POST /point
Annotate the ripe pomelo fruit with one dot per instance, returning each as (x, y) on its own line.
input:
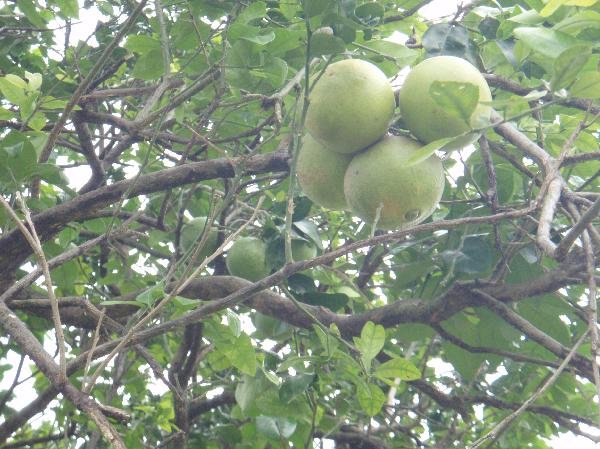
(380, 178)
(321, 174)
(191, 233)
(351, 106)
(428, 120)
(247, 259)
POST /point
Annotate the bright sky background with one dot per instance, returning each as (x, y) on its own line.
(81, 31)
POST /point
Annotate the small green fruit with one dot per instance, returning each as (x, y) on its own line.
(351, 106)
(430, 121)
(321, 174)
(191, 233)
(379, 178)
(247, 259)
(303, 250)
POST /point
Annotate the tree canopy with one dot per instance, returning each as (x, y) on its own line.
(131, 161)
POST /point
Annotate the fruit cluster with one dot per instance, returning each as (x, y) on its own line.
(347, 159)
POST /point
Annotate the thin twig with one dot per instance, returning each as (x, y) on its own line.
(492, 192)
(87, 388)
(565, 244)
(503, 425)
(82, 87)
(34, 241)
(34, 349)
(592, 311)
(124, 340)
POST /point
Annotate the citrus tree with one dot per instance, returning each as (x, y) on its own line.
(133, 158)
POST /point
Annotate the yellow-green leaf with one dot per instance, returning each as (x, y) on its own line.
(553, 5)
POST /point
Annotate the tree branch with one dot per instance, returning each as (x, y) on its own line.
(13, 251)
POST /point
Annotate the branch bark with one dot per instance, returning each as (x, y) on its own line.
(13, 248)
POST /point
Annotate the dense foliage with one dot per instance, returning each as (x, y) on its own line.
(122, 327)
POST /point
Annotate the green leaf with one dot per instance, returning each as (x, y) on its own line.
(288, 9)
(250, 389)
(315, 7)
(50, 102)
(150, 296)
(333, 301)
(407, 333)
(329, 343)
(370, 342)
(185, 304)
(568, 65)
(37, 121)
(548, 42)
(255, 10)
(28, 8)
(149, 66)
(18, 159)
(474, 256)
(342, 26)
(275, 427)
(465, 363)
(587, 85)
(260, 39)
(68, 8)
(16, 80)
(142, 44)
(301, 283)
(295, 385)
(458, 99)
(401, 54)
(310, 230)
(398, 368)
(506, 180)
(369, 14)
(553, 5)
(11, 91)
(578, 22)
(427, 150)
(5, 114)
(326, 44)
(275, 70)
(370, 397)
(545, 313)
(234, 323)
(34, 81)
(448, 39)
(241, 354)
(65, 276)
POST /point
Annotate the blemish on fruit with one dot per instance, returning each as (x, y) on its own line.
(412, 214)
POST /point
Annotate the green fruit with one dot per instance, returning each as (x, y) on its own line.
(247, 259)
(191, 233)
(428, 120)
(303, 250)
(321, 174)
(380, 177)
(351, 106)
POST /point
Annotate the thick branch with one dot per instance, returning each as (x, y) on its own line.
(13, 248)
(33, 348)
